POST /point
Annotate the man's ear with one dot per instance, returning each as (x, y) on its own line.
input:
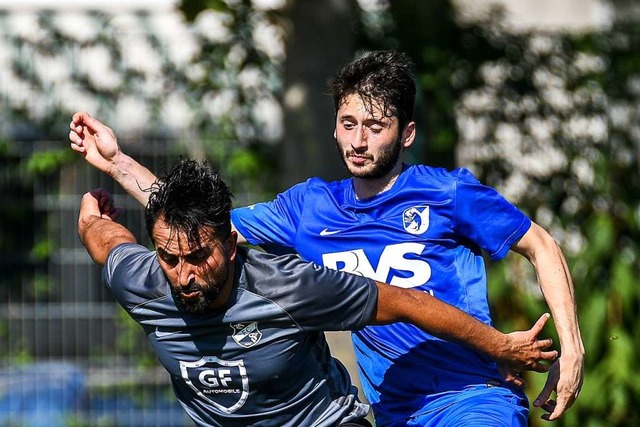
(408, 134)
(232, 245)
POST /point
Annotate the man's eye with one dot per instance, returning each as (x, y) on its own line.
(348, 126)
(168, 258)
(197, 257)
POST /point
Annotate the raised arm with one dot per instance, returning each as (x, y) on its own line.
(98, 145)
(555, 281)
(97, 228)
(517, 351)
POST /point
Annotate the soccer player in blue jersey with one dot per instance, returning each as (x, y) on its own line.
(413, 226)
(239, 330)
(418, 227)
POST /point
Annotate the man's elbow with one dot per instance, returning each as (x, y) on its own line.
(99, 243)
(97, 257)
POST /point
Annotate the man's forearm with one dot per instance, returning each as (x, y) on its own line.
(98, 231)
(133, 177)
(554, 278)
(557, 288)
(522, 350)
(99, 236)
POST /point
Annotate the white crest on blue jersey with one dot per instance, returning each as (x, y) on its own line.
(416, 219)
(246, 334)
(223, 383)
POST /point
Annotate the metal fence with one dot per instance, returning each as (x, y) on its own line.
(69, 355)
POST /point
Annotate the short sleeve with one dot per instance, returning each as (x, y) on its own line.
(315, 297)
(485, 217)
(126, 273)
(272, 222)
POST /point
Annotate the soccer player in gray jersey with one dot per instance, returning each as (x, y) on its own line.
(239, 330)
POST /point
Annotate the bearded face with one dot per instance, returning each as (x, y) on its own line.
(370, 143)
(198, 272)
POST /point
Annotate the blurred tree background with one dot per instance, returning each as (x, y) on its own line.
(551, 119)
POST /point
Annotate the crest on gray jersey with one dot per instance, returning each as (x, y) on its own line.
(246, 334)
(223, 383)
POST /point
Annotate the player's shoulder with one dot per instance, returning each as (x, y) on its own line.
(133, 274)
(316, 187)
(260, 262)
(424, 172)
(129, 255)
(260, 270)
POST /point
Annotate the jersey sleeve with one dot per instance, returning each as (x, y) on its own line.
(125, 274)
(314, 297)
(485, 217)
(274, 222)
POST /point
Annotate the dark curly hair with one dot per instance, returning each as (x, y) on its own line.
(192, 195)
(384, 77)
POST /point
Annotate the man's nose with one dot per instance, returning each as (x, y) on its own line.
(359, 140)
(185, 274)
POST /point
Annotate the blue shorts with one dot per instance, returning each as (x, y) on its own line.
(476, 407)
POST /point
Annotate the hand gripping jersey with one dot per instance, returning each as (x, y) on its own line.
(262, 360)
(425, 233)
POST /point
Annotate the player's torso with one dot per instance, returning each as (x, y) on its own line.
(250, 360)
(406, 237)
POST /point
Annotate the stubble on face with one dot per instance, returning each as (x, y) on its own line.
(367, 138)
(200, 295)
(378, 166)
(207, 265)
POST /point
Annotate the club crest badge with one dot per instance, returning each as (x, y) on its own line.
(222, 383)
(246, 334)
(416, 219)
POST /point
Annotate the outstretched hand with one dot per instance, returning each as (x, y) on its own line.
(93, 140)
(526, 352)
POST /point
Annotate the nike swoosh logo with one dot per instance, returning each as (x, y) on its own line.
(162, 334)
(326, 232)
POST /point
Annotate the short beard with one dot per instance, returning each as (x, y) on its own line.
(201, 306)
(384, 163)
(209, 293)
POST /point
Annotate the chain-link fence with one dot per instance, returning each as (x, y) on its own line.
(69, 354)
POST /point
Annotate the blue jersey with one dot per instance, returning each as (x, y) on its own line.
(427, 232)
(261, 360)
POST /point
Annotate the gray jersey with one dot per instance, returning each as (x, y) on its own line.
(262, 360)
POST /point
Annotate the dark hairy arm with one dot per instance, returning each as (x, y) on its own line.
(516, 351)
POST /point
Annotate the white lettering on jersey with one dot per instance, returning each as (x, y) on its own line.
(392, 257)
(210, 377)
(222, 383)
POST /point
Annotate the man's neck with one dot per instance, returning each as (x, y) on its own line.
(365, 188)
(225, 293)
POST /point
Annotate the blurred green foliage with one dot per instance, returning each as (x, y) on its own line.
(49, 162)
(23, 250)
(32, 160)
(604, 218)
(583, 90)
(580, 181)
